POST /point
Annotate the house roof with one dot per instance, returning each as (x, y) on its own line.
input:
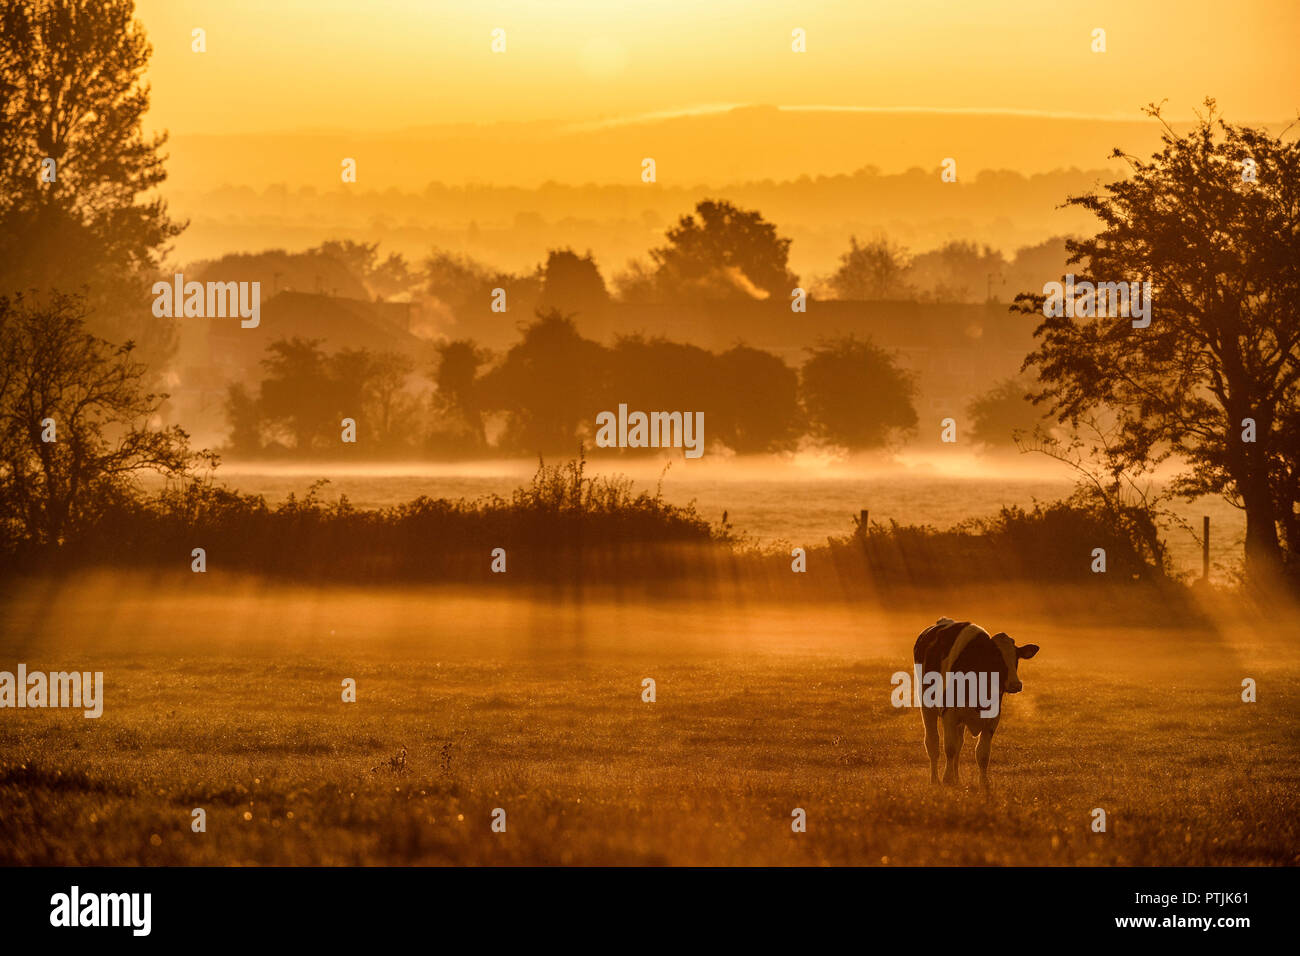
(339, 323)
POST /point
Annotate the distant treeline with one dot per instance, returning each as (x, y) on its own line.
(508, 227)
(78, 427)
(544, 394)
(716, 252)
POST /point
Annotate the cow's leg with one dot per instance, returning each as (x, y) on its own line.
(930, 716)
(982, 750)
(952, 733)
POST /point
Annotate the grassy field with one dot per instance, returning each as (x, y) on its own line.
(229, 699)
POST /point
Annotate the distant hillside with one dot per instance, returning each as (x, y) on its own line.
(507, 192)
(703, 149)
(512, 227)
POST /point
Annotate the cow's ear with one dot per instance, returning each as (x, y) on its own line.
(1027, 650)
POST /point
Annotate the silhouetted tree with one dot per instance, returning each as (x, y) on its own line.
(457, 396)
(358, 257)
(297, 396)
(386, 404)
(392, 277)
(1039, 263)
(749, 397)
(1002, 412)
(1223, 346)
(369, 387)
(59, 382)
(457, 280)
(638, 283)
(874, 270)
(244, 414)
(855, 394)
(466, 287)
(757, 402)
(724, 252)
(959, 271)
(347, 373)
(572, 283)
(72, 91)
(389, 277)
(550, 386)
(657, 374)
(307, 393)
(279, 271)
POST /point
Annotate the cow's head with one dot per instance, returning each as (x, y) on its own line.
(1012, 655)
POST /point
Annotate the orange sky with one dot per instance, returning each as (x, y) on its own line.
(392, 64)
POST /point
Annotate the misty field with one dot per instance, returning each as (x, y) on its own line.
(228, 698)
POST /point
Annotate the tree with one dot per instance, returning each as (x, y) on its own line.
(550, 386)
(724, 253)
(1036, 264)
(1222, 251)
(389, 277)
(638, 283)
(465, 287)
(1002, 412)
(72, 91)
(348, 374)
(298, 397)
(1127, 502)
(76, 423)
(279, 271)
(654, 373)
(855, 395)
(959, 272)
(457, 396)
(572, 282)
(244, 413)
(358, 257)
(386, 402)
(307, 393)
(875, 270)
(457, 280)
(757, 397)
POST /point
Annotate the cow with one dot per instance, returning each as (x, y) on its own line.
(960, 647)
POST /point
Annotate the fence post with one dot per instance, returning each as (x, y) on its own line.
(864, 528)
(1205, 547)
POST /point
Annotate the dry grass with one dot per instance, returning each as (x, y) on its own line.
(470, 703)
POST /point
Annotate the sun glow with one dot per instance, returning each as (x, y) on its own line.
(321, 64)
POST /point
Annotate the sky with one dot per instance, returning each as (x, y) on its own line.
(319, 65)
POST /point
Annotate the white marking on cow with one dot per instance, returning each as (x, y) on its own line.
(968, 634)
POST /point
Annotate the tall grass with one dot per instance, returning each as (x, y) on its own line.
(567, 526)
(542, 526)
